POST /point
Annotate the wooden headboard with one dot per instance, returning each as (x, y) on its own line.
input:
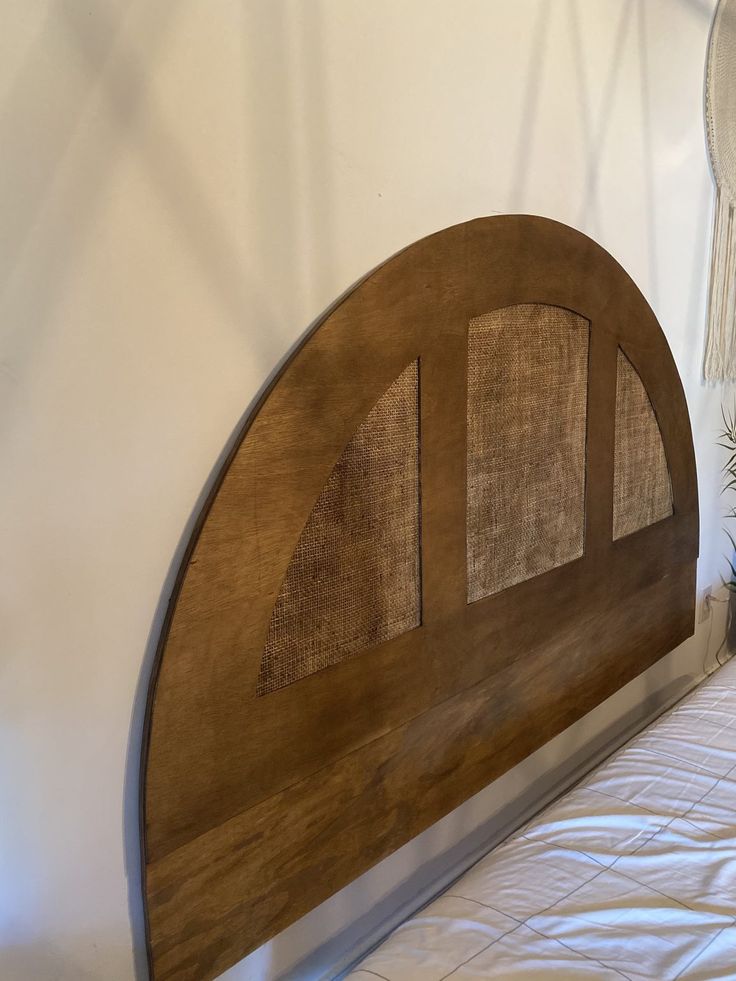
(463, 515)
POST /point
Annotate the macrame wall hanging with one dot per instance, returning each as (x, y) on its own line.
(720, 113)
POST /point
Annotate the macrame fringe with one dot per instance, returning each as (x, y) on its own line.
(720, 350)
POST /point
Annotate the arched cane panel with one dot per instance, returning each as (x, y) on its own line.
(354, 579)
(642, 491)
(261, 798)
(527, 398)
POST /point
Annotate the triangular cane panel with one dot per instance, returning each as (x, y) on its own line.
(642, 490)
(354, 578)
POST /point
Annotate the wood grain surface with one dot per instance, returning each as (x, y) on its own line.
(256, 809)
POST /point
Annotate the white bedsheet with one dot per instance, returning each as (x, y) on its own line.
(632, 874)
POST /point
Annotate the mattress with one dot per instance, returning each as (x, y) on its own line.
(632, 874)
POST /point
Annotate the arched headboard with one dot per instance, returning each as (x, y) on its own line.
(463, 515)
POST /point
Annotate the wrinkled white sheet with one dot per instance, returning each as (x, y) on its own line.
(632, 874)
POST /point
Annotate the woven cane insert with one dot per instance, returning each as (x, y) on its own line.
(354, 578)
(642, 492)
(527, 406)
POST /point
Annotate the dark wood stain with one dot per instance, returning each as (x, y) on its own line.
(255, 810)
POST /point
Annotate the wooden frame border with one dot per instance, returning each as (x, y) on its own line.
(256, 810)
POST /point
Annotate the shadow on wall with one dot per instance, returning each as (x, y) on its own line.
(530, 106)
(596, 130)
(50, 205)
(595, 122)
(633, 28)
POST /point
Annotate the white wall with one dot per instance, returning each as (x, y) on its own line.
(184, 186)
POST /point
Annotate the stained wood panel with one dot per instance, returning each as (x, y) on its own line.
(256, 808)
(469, 739)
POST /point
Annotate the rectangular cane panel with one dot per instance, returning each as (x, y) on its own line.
(527, 404)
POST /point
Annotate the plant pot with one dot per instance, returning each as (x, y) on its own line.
(731, 623)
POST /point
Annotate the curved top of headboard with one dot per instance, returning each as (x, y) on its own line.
(463, 515)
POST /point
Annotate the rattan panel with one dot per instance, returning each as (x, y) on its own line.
(527, 402)
(642, 493)
(354, 579)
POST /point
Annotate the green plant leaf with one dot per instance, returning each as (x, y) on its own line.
(731, 567)
(730, 423)
(731, 540)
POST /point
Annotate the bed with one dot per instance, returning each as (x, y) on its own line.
(632, 874)
(462, 515)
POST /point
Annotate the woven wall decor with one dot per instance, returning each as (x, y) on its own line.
(720, 112)
(527, 407)
(642, 490)
(354, 579)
